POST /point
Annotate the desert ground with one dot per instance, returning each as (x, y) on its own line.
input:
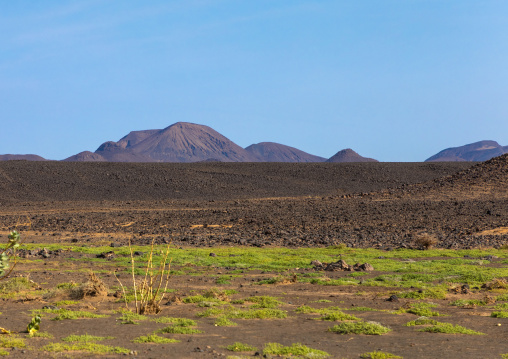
(258, 256)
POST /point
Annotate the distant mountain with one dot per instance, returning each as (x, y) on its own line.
(180, 142)
(21, 157)
(478, 151)
(275, 152)
(348, 155)
(86, 156)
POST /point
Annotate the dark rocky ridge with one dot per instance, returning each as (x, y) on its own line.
(478, 151)
(275, 152)
(348, 155)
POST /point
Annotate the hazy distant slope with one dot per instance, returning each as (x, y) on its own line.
(348, 155)
(10, 157)
(477, 151)
(275, 152)
(86, 156)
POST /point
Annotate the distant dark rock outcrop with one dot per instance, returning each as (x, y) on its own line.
(9, 157)
(348, 155)
(275, 152)
(478, 151)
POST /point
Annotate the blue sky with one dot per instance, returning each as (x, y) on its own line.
(397, 80)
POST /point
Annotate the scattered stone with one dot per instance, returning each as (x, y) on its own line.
(393, 298)
(213, 254)
(106, 255)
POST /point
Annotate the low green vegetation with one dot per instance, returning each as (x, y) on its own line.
(264, 302)
(379, 355)
(499, 314)
(469, 302)
(224, 322)
(231, 312)
(181, 322)
(422, 321)
(297, 349)
(367, 328)
(448, 328)
(86, 338)
(241, 347)
(176, 329)
(154, 338)
(91, 348)
(129, 317)
(63, 314)
(421, 309)
(11, 341)
(330, 313)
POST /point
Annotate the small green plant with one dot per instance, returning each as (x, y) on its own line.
(337, 316)
(8, 255)
(34, 325)
(368, 328)
(468, 303)
(231, 312)
(241, 347)
(379, 355)
(295, 349)
(154, 338)
(448, 328)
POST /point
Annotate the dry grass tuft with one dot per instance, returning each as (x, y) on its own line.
(426, 240)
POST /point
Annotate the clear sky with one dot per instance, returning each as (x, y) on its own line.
(396, 80)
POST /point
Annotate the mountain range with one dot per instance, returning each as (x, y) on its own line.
(188, 142)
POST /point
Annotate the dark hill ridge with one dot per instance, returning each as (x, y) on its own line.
(475, 152)
(275, 152)
(348, 155)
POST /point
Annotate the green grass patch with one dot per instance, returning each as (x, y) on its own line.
(86, 338)
(501, 314)
(241, 347)
(330, 313)
(181, 322)
(296, 349)
(77, 314)
(231, 312)
(224, 322)
(3, 352)
(448, 328)
(421, 309)
(429, 293)
(379, 355)
(65, 302)
(154, 338)
(11, 341)
(422, 321)
(91, 348)
(131, 318)
(41, 334)
(176, 329)
(264, 301)
(367, 328)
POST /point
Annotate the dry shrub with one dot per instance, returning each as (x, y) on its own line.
(426, 240)
(496, 283)
(95, 287)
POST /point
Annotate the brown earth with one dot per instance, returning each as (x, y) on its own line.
(254, 204)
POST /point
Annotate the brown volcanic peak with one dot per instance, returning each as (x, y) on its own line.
(135, 137)
(348, 155)
(115, 152)
(275, 152)
(86, 156)
(9, 157)
(188, 142)
(478, 151)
